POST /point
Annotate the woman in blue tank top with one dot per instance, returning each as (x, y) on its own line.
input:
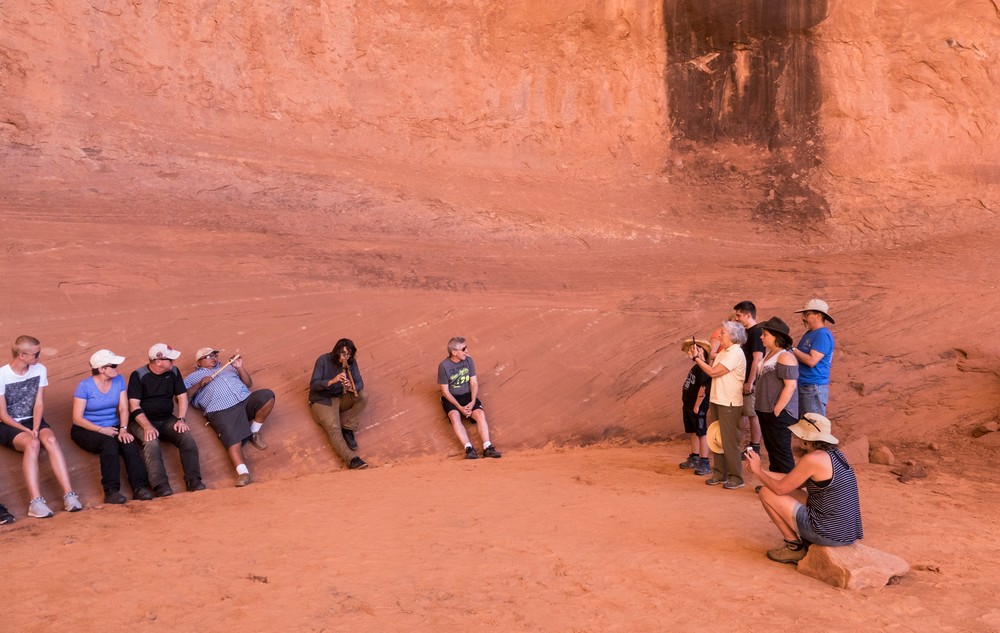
(828, 511)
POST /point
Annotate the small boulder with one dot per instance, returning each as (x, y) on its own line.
(856, 450)
(854, 566)
(986, 428)
(881, 455)
(909, 473)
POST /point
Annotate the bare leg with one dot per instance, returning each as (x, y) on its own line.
(30, 446)
(695, 444)
(236, 454)
(702, 449)
(479, 416)
(458, 427)
(755, 435)
(56, 459)
(781, 510)
(263, 412)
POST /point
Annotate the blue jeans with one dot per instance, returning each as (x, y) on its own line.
(813, 399)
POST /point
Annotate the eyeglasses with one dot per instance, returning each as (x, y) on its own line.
(212, 355)
(112, 366)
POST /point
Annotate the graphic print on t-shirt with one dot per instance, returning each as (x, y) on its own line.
(21, 397)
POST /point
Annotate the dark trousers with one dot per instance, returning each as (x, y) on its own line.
(777, 440)
(110, 449)
(153, 454)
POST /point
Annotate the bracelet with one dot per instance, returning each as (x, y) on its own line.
(182, 419)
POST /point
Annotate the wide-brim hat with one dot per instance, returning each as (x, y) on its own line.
(104, 357)
(817, 305)
(814, 428)
(714, 436)
(779, 329)
(703, 344)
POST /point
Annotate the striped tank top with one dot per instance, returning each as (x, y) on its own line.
(834, 509)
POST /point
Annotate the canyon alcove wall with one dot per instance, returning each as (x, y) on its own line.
(257, 127)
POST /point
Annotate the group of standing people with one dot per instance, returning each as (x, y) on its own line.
(756, 381)
(129, 422)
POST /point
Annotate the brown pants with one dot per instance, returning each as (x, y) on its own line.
(329, 417)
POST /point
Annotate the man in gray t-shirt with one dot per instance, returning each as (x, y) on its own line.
(459, 388)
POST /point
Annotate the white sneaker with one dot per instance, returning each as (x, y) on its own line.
(39, 509)
(71, 501)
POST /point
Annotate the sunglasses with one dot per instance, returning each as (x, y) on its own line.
(112, 366)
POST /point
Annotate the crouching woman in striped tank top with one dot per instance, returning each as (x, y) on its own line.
(827, 512)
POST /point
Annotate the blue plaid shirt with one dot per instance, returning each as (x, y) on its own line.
(222, 392)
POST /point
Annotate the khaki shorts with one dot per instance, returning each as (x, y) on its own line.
(748, 402)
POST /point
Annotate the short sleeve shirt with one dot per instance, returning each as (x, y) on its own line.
(101, 408)
(20, 392)
(457, 375)
(727, 390)
(155, 392)
(820, 340)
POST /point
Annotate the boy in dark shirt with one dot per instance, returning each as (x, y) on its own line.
(697, 382)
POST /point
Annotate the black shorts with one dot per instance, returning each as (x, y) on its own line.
(463, 400)
(8, 433)
(695, 422)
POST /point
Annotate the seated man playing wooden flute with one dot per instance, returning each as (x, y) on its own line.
(337, 397)
(235, 413)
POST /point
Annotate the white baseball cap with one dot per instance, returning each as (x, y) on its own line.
(104, 357)
(162, 350)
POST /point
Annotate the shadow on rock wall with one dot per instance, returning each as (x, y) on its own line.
(744, 72)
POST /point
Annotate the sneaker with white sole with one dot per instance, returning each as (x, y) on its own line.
(732, 485)
(71, 501)
(712, 481)
(38, 509)
(5, 515)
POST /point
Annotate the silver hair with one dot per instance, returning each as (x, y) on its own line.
(455, 342)
(736, 332)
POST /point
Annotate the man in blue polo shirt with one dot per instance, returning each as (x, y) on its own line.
(815, 353)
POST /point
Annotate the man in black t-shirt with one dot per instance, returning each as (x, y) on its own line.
(753, 349)
(152, 391)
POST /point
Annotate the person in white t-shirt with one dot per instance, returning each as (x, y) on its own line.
(22, 383)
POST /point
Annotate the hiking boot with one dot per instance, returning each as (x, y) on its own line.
(5, 515)
(704, 467)
(258, 441)
(244, 480)
(38, 509)
(113, 496)
(142, 494)
(732, 485)
(71, 501)
(470, 453)
(786, 553)
(491, 451)
(195, 486)
(357, 463)
(349, 438)
(690, 462)
(712, 481)
(163, 490)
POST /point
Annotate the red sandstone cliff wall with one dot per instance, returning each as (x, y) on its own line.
(503, 82)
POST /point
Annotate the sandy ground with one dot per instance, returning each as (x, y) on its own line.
(610, 538)
(575, 296)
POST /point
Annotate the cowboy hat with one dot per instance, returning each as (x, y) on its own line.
(705, 345)
(714, 435)
(813, 428)
(818, 305)
(779, 329)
